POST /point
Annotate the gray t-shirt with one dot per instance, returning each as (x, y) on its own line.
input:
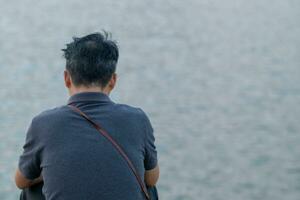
(77, 162)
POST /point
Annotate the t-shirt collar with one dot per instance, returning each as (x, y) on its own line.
(88, 97)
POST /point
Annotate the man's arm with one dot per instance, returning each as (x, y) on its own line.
(151, 176)
(150, 160)
(22, 182)
(28, 172)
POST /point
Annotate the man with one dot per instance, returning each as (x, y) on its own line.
(68, 154)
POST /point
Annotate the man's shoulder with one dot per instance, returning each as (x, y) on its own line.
(47, 120)
(130, 110)
(50, 114)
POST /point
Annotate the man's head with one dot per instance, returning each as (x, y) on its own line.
(91, 63)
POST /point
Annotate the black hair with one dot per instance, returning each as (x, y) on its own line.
(92, 59)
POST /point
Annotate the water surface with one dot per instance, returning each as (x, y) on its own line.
(220, 81)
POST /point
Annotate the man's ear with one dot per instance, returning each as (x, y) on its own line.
(112, 82)
(67, 78)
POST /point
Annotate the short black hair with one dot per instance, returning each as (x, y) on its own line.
(92, 59)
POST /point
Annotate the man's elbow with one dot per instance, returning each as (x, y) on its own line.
(20, 181)
(151, 176)
(19, 184)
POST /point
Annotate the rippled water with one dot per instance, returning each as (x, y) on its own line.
(220, 81)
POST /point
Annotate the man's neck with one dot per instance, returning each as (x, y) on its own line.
(76, 90)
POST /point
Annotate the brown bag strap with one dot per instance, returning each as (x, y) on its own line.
(116, 145)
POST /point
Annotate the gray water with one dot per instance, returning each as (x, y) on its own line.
(220, 81)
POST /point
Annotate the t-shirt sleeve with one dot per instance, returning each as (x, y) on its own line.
(150, 160)
(29, 161)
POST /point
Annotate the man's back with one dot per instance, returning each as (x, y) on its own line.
(77, 162)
